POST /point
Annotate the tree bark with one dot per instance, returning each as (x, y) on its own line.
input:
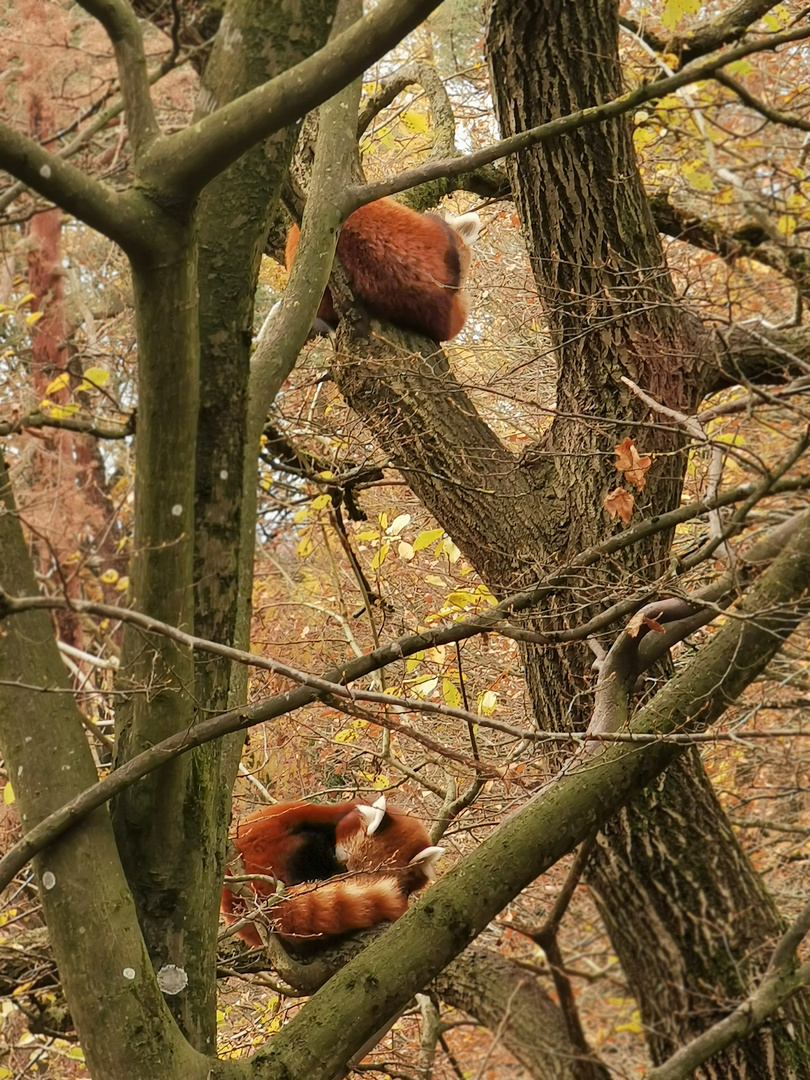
(611, 312)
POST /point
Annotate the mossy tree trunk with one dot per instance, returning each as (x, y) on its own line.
(611, 311)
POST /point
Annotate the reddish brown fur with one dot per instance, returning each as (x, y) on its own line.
(395, 842)
(406, 267)
(290, 842)
(339, 906)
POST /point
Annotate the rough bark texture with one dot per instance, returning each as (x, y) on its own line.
(611, 311)
(609, 302)
(511, 1002)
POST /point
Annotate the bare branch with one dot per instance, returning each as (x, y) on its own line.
(181, 165)
(781, 981)
(628, 102)
(121, 24)
(126, 217)
(99, 428)
(728, 26)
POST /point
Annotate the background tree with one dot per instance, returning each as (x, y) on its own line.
(691, 920)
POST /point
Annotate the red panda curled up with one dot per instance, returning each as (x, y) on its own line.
(387, 853)
(407, 268)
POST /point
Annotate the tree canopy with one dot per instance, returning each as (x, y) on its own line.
(544, 585)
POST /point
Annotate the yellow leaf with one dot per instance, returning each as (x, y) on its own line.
(97, 376)
(487, 703)
(451, 694)
(321, 501)
(59, 383)
(383, 520)
(304, 548)
(697, 175)
(8, 794)
(786, 225)
(461, 598)
(740, 68)
(414, 121)
(398, 524)
(26, 299)
(451, 551)
(379, 558)
(425, 539)
(301, 515)
(122, 584)
(424, 687)
(368, 535)
(61, 412)
(434, 579)
(347, 735)
(34, 317)
(675, 10)
(109, 577)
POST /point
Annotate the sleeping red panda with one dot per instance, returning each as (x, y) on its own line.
(304, 842)
(353, 901)
(406, 267)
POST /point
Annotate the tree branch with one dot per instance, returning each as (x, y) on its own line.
(123, 30)
(240, 719)
(100, 428)
(451, 913)
(563, 125)
(783, 978)
(729, 26)
(180, 165)
(125, 217)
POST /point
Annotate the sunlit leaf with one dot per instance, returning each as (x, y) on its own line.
(451, 693)
(57, 384)
(425, 539)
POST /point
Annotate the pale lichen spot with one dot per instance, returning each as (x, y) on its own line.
(223, 474)
(172, 979)
(19, 770)
(129, 973)
(177, 510)
(45, 172)
(48, 880)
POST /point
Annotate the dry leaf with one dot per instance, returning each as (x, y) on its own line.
(634, 466)
(619, 503)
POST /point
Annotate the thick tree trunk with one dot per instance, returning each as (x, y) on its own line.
(687, 889)
(610, 307)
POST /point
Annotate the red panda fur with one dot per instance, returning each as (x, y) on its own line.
(338, 906)
(304, 842)
(406, 267)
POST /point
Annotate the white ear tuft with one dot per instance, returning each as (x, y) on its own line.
(426, 859)
(467, 226)
(372, 816)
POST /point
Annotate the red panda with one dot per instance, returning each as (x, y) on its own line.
(406, 267)
(304, 842)
(351, 902)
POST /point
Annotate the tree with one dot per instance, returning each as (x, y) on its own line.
(631, 358)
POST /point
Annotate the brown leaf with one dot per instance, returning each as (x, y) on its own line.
(631, 463)
(619, 503)
(639, 620)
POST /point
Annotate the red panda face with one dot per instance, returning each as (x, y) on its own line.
(378, 837)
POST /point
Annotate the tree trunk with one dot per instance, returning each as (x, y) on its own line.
(611, 312)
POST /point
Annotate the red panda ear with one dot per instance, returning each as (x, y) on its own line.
(426, 860)
(372, 816)
(467, 227)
